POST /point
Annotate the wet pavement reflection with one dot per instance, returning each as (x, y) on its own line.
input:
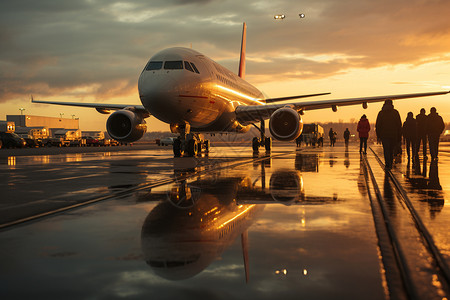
(294, 223)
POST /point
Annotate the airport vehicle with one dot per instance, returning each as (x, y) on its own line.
(312, 134)
(79, 142)
(91, 141)
(166, 141)
(6, 126)
(30, 141)
(64, 138)
(194, 94)
(12, 140)
(57, 142)
(113, 142)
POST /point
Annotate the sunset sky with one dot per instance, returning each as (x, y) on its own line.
(94, 50)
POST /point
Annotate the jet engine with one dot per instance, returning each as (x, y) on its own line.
(286, 186)
(126, 126)
(285, 124)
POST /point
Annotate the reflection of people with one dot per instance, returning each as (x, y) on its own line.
(421, 120)
(347, 159)
(434, 183)
(435, 126)
(409, 131)
(346, 136)
(332, 136)
(435, 197)
(363, 129)
(389, 130)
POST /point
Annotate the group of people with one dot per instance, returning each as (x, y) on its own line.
(390, 130)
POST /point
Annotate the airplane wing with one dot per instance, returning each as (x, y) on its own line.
(100, 107)
(271, 100)
(254, 113)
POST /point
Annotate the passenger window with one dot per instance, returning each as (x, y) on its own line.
(173, 65)
(188, 67)
(154, 65)
(195, 68)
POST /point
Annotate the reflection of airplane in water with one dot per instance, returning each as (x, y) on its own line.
(196, 221)
(179, 241)
(307, 162)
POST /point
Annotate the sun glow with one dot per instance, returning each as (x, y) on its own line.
(239, 94)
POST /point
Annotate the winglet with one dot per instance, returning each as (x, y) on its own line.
(242, 59)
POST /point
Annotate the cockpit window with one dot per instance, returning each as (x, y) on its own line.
(188, 67)
(154, 65)
(195, 68)
(173, 65)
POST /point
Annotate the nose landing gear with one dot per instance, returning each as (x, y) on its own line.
(188, 144)
(262, 141)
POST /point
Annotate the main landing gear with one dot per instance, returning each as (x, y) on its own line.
(263, 141)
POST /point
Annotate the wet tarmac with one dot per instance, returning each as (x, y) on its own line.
(295, 224)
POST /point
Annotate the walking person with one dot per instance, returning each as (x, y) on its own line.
(389, 129)
(421, 121)
(363, 130)
(435, 126)
(346, 136)
(332, 136)
(299, 140)
(409, 131)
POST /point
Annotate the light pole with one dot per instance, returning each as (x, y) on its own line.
(21, 110)
(61, 115)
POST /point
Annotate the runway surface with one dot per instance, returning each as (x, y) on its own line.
(295, 223)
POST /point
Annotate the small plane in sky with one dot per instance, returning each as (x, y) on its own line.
(194, 94)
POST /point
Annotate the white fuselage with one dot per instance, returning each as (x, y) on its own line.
(180, 85)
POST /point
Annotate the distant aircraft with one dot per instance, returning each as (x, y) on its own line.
(194, 94)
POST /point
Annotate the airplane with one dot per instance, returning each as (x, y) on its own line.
(195, 95)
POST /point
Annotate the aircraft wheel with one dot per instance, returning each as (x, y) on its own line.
(255, 144)
(268, 143)
(177, 148)
(192, 148)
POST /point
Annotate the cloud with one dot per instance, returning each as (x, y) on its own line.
(57, 47)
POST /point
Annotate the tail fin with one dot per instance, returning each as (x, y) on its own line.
(244, 242)
(242, 59)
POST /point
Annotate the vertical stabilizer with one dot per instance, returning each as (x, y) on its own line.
(244, 242)
(242, 59)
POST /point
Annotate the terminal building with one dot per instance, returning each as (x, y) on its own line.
(43, 127)
(38, 121)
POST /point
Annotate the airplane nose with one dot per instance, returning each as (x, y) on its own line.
(151, 88)
(158, 94)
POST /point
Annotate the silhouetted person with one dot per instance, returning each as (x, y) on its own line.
(332, 136)
(299, 140)
(389, 130)
(435, 126)
(346, 136)
(409, 131)
(320, 141)
(421, 120)
(363, 130)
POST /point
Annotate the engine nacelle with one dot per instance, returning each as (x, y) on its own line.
(285, 124)
(126, 126)
(286, 186)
